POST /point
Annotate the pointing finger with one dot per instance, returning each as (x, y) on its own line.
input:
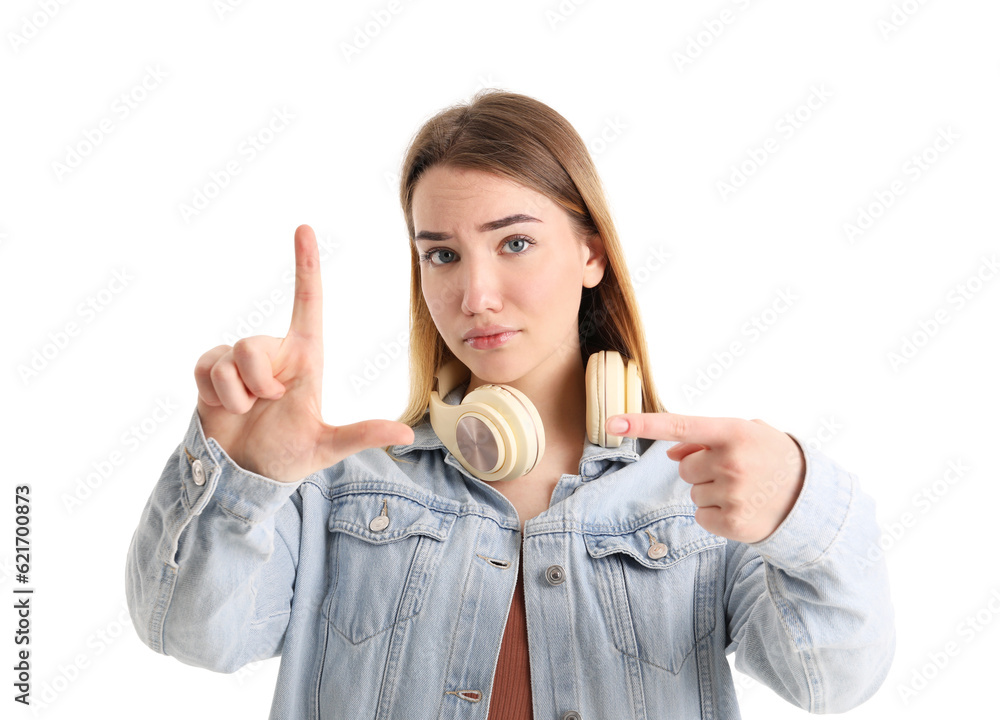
(705, 431)
(307, 311)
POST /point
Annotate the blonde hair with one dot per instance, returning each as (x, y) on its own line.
(520, 138)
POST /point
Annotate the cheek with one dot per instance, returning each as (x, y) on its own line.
(549, 292)
(437, 298)
(430, 296)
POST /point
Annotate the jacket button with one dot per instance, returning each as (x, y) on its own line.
(556, 576)
(571, 715)
(380, 522)
(657, 550)
(198, 472)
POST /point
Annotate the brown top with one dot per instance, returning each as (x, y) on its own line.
(511, 696)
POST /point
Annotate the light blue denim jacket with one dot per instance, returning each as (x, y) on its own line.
(404, 620)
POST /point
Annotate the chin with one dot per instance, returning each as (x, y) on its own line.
(494, 366)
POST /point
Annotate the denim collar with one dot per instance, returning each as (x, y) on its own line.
(592, 463)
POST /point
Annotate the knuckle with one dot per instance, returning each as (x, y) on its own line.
(733, 464)
(741, 431)
(208, 360)
(307, 261)
(364, 434)
(202, 369)
(305, 295)
(243, 349)
(221, 371)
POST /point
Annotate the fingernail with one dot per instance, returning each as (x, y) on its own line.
(617, 425)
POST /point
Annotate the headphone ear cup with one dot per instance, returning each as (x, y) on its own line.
(595, 398)
(614, 393)
(613, 388)
(519, 429)
(633, 388)
(529, 425)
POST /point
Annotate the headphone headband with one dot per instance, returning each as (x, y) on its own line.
(449, 377)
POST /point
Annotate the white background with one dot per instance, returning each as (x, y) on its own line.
(669, 109)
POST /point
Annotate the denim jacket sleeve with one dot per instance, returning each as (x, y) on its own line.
(205, 544)
(809, 615)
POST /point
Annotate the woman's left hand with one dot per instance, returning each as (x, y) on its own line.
(745, 475)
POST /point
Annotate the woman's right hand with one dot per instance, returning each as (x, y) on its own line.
(260, 399)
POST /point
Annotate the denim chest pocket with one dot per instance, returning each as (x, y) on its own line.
(384, 550)
(658, 588)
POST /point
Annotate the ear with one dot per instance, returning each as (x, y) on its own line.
(596, 261)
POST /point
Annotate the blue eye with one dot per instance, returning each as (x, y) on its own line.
(519, 244)
(442, 253)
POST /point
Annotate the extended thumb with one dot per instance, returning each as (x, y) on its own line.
(349, 439)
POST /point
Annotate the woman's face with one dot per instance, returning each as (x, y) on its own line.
(498, 257)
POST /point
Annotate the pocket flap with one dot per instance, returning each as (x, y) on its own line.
(681, 535)
(353, 514)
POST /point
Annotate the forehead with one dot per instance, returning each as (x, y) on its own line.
(472, 197)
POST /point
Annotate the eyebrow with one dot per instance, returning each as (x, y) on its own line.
(485, 227)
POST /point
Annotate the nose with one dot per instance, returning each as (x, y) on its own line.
(481, 291)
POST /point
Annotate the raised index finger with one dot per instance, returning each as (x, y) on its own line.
(707, 431)
(307, 312)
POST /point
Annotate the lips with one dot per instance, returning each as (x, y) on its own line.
(488, 342)
(486, 330)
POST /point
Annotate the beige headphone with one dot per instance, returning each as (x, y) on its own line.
(496, 433)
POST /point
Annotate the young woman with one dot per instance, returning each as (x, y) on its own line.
(558, 546)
